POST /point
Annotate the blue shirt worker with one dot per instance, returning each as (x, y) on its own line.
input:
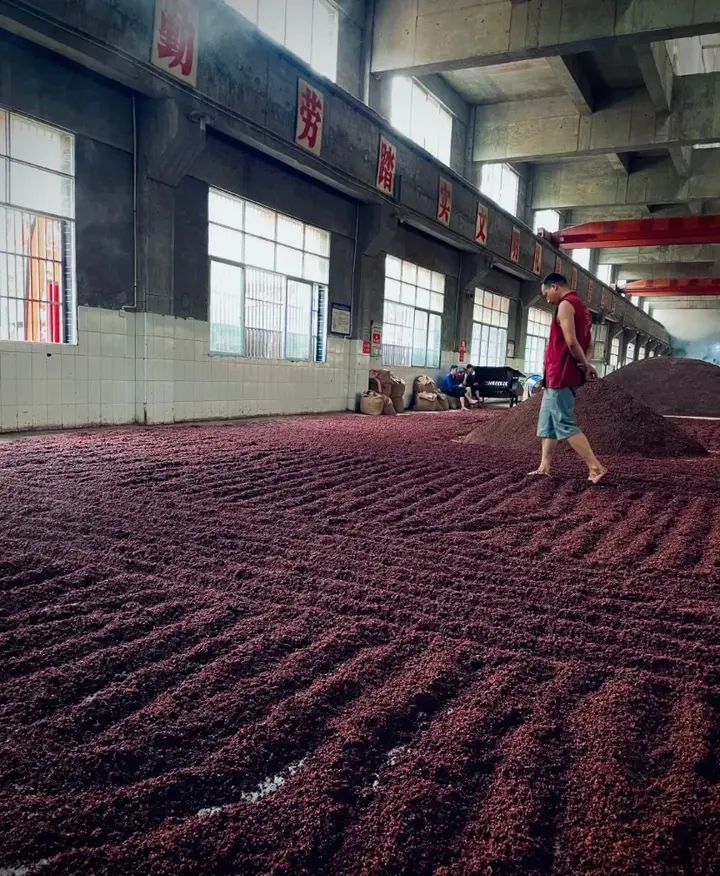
(452, 385)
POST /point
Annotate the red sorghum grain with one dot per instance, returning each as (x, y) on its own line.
(344, 645)
(674, 387)
(615, 424)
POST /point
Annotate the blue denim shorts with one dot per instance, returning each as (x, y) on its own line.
(557, 414)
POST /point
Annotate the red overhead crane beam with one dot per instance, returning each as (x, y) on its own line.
(638, 232)
(672, 288)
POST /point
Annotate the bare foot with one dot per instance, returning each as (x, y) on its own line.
(539, 472)
(596, 476)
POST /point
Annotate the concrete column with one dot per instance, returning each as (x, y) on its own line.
(378, 226)
(169, 142)
(630, 337)
(380, 95)
(474, 269)
(517, 331)
(529, 297)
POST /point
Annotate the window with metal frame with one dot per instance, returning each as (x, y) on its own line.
(412, 315)
(582, 257)
(538, 332)
(37, 231)
(502, 184)
(614, 360)
(268, 282)
(604, 273)
(309, 28)
(418, 114)
(488, 346)
(549, 220)
(642, 352)
(629, 353)
(599, 341)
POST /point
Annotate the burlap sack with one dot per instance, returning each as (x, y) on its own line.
(388, 407)
(375, 385)
(399, 404)
(372, 404)
(442, 402)
(426, 401)
(423, 384)
(397, 388)
(384, 379)
(454, 403)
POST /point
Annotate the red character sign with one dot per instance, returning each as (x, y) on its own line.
(481, 225)
(537, 259)
(462, 350)
(573, 279)
(444, 210)
(174, 47)
(310, 113)
(366, 348)
(515, 245)
(591, 292)
(376, 338)
(387, 167)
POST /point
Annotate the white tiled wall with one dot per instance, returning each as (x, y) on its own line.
(147, 368)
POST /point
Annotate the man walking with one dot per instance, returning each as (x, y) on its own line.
(567, 366)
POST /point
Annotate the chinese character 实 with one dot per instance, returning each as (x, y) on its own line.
(177, 37)
(386, 167)
(445, 202)
(311, 108)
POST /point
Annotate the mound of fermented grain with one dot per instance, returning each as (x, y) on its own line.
(615, 423)
(674, 387)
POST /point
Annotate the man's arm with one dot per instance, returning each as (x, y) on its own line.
(566, 318)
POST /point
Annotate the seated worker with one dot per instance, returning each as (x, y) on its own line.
(471, 382)
(452, 385)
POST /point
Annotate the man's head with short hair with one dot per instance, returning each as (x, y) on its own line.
(554, 288)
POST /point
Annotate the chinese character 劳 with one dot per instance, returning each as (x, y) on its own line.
(177, 37)
(311, 116)
(386, 168)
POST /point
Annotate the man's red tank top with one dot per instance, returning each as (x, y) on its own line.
(561, 370)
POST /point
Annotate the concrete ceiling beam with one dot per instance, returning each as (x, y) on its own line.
(619, 161)
(646, 256)
(681, 157)
(593, 183)
(657, 71)
(430, 36)
(627, 121)
(570, 73)
(709, 302)
(604, 214)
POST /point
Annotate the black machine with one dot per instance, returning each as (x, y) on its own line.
(498, 382)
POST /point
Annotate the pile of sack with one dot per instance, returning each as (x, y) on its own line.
(385, 395)
(427, 397)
